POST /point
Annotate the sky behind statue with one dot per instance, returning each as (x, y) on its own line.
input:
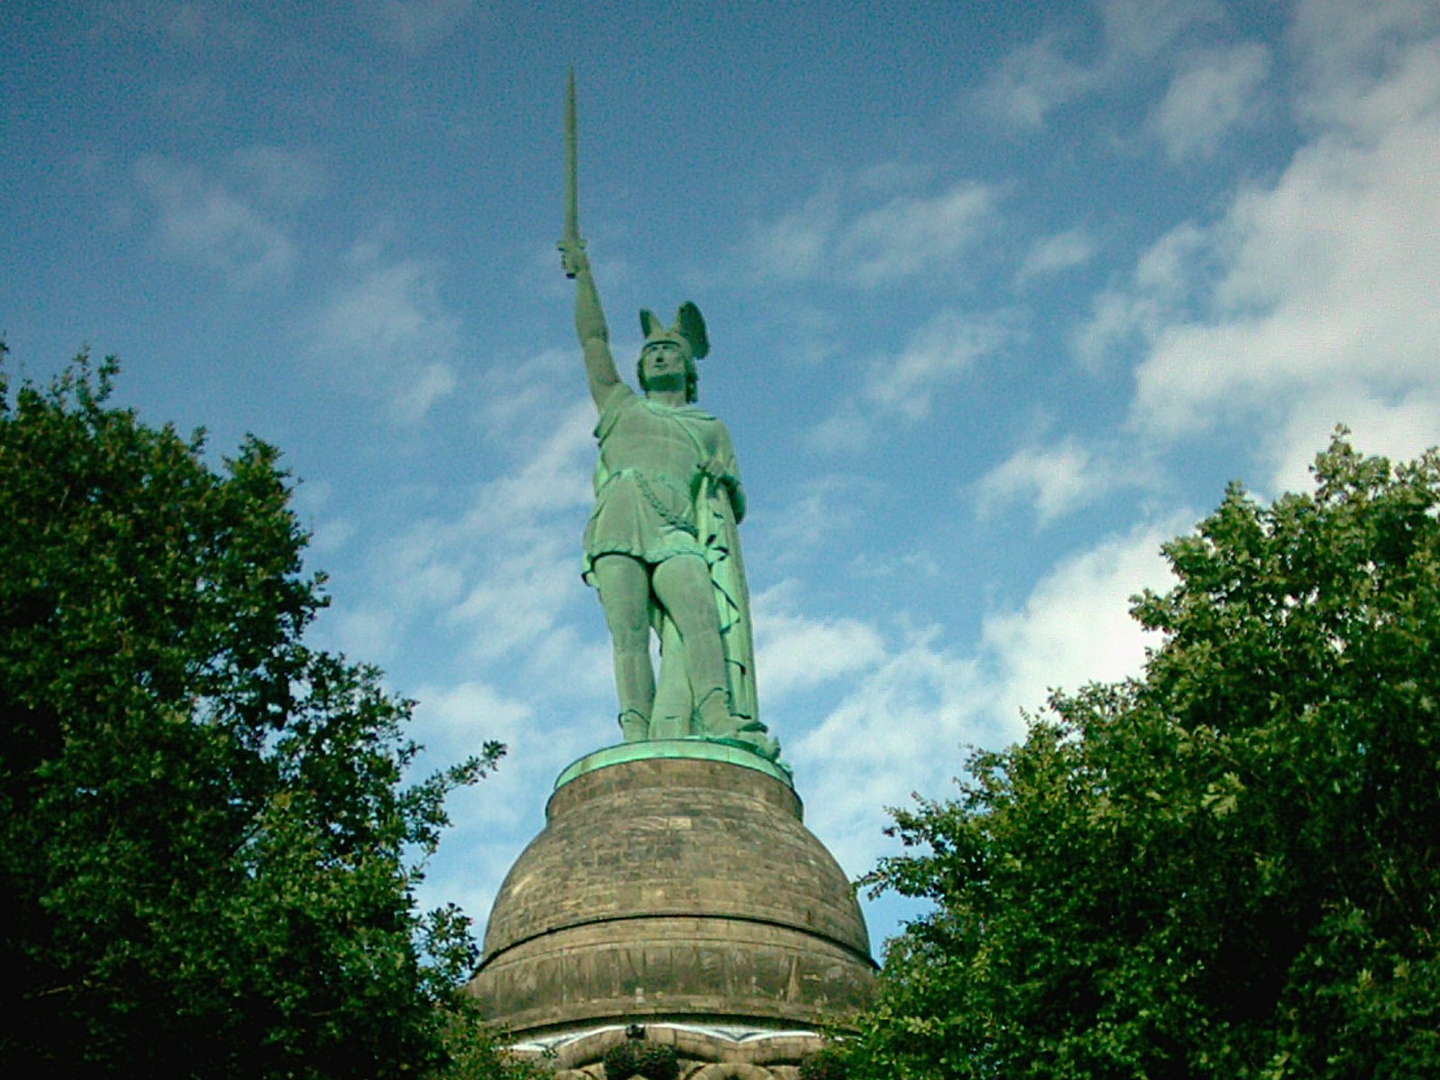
(997, 300)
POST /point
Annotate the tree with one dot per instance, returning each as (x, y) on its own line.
(1227, 868)
(207, 850)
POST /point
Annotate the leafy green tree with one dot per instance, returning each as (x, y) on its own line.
(1228, 868)
(208, 854)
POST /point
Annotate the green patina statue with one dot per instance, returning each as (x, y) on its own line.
(662, 546)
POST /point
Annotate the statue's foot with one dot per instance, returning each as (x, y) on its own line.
(718, 722)
(669, 727)
(766, 746)
(634, 725)
(715, 716)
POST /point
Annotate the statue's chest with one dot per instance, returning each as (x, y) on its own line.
(656, 436)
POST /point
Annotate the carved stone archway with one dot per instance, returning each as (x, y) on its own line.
(732, 1070)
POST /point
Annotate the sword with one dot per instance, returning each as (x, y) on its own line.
(571, 246)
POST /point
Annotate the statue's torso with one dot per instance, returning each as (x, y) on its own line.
(652, 458)
(657, 439)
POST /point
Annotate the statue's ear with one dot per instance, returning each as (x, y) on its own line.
(650, 322)
(691, 325)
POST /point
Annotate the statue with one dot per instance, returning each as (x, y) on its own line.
(662, 546)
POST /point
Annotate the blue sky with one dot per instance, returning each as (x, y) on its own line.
(1000, 297)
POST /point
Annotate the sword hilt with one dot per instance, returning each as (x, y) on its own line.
(572, 255)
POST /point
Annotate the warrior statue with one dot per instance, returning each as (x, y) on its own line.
(661, 546)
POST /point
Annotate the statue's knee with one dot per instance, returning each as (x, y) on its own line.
(630, 638)
(628, 620)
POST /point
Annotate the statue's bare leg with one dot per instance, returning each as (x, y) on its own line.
(682, 585)
(624, 585)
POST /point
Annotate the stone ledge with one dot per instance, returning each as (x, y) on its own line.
(693, 747)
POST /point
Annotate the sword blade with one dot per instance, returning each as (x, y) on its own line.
(572, 194)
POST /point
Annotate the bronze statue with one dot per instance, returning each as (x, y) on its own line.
(662, 546)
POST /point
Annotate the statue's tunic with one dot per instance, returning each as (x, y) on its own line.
(654, 501)
(650, 472)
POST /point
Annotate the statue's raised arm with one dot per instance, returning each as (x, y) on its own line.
(593, 333)
(589, 316)
(662, 545)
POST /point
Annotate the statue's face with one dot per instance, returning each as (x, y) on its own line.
(661, 358)
(664, 367)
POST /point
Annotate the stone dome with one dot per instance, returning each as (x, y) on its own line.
(669, 886)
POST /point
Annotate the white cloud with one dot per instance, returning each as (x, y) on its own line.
(499, 575)
(282, 176)
(519, 597)
(818, 511)
(913, 709)
(1056, 479)
(913, 564)
(1053, 254)
(1075, 626)
(432, 382)
(943, 347)
(199, 220)
(367, 632)
(795, 652)
(193, 25)
(1214, 92)
(1141, 28)
(869, 244)
(1397, 429)
(1327, 275)
(518, 545)
(1310, 299)
(893, 176)
(795, 245)
(1166, 278)
(1342, 46)
(910, 234)
(458, 719)
(412, 25)
(198, 24)
(1039, 77)
(903, 387)
(386, 330)
(331, 535)
(537, 384)
(899, 731)
(554, 477)
(1032, 82)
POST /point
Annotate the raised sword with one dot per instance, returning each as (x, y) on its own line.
(571, 245)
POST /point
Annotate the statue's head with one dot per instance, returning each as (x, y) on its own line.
(672, 349)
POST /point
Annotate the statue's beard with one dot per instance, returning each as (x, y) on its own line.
(666, 381)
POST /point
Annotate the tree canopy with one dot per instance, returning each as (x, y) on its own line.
(1229, 867)
(208, 846)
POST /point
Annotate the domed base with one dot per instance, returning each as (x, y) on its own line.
(672, 889)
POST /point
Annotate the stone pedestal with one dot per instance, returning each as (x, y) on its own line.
(674, 887)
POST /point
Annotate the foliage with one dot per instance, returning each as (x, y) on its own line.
(827, 1064)
(639, 1057)
(1230, 868)
(208, 855)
